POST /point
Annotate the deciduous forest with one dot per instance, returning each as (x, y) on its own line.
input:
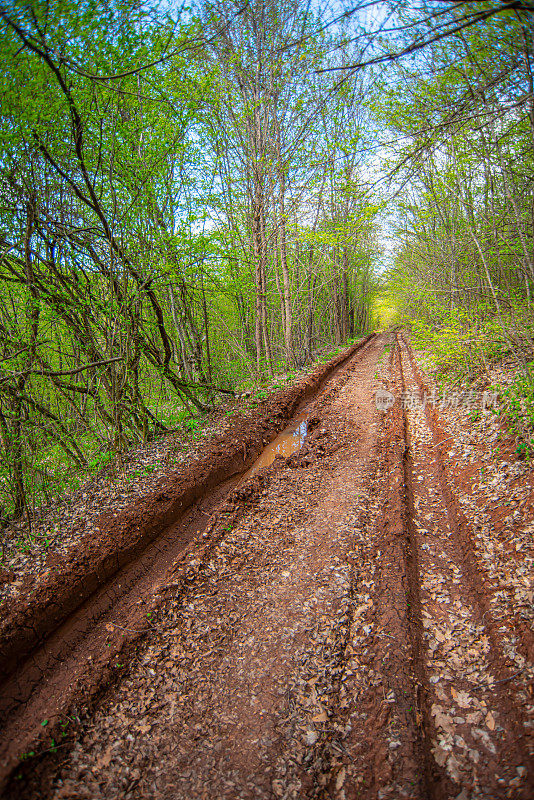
(195, 199)
(266, 400)
(184, 207)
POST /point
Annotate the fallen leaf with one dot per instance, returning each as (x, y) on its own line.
(143, 728)
(474, 718)
(444, 721)
(453, 767)
(105, 759)
(463, 699)
(490, 721)
(340, 780)
(484, 737)
(440, 755)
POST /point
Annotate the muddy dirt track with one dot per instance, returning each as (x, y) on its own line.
(329, 627)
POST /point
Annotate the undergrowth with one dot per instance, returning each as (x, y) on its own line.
(461, 349)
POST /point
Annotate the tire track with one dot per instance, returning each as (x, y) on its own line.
(481, 585)
(433, 781)
(477, 715)
(391, 730)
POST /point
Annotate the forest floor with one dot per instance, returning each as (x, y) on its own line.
(354, 621)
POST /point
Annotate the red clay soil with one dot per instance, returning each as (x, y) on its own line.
(336, 628)
(50, 625)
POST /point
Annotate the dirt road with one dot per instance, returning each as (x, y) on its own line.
(336, 630)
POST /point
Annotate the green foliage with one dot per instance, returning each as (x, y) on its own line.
(463, 269)
(192, 427)
(459, 352)
(100, 460)
(457, 346)
(525, 450)
(518, 400)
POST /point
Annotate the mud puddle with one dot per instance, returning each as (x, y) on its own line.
(287, 443)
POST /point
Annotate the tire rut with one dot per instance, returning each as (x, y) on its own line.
(467, 594)
(435, 785)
